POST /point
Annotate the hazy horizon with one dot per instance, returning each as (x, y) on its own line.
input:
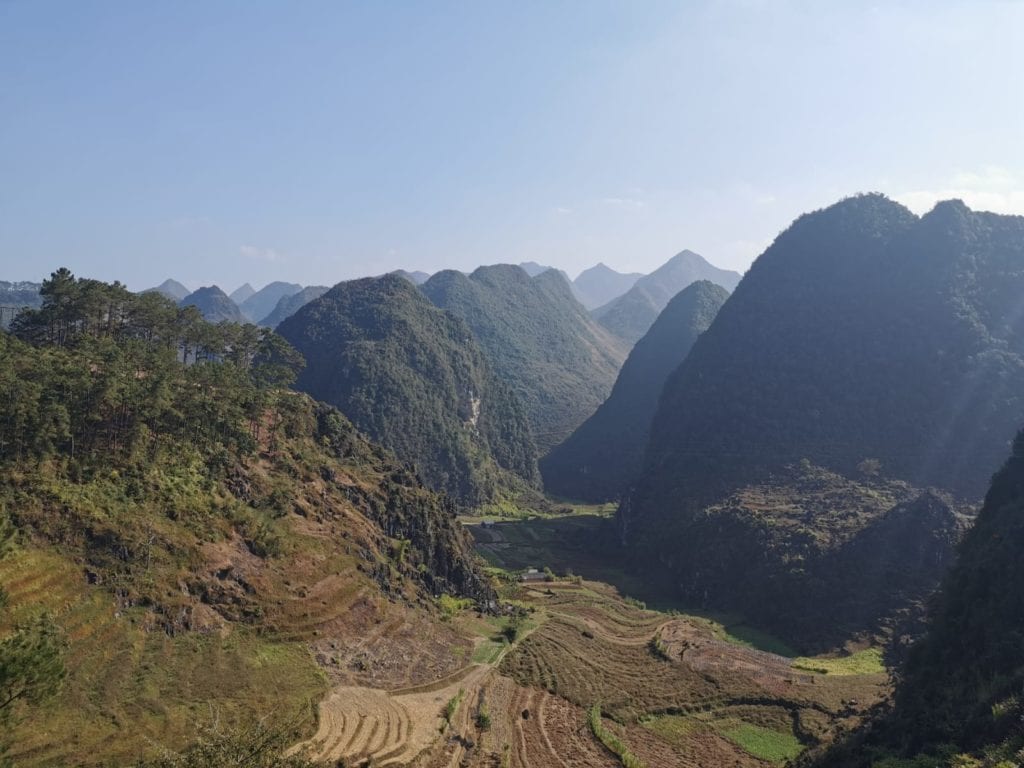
(250, 143)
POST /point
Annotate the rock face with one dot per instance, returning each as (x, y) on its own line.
(538, 339)
(214, 305)
(605, 455)
(413, 378)
(634, 312)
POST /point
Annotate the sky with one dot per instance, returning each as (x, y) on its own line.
(245, 141)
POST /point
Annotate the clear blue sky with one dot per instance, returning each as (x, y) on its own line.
(219, 142)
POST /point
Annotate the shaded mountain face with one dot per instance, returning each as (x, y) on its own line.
(214, 305)
(605, 455)
(631, 314)
(289, 305)
(413, 377)
(600, 284)
(959, 691)
(263, 301)
(242, 293)
(863, 332)
(538, 339)
(865, 340)
(172, 289)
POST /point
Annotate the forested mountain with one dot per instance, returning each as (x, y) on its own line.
(538, 339)
(600, 284)
(532, 268)
(631, 314)
(958, 702)
(263, 301)
(289, 305)
(214, 305)
(865, 340)
(175, 537)
(172, 289)
(242, 293)
(413, 377)
(602, 457)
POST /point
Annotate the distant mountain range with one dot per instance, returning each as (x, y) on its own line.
(600, 284)
(262, 302)
(289, 305)
(242, 293)
(214, 305)
(630, 315)
(172, 289)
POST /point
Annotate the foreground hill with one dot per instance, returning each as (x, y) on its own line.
(289, 305)
(263, 301)
(602, 457)
(863, 332)
(197, 542)
(865, 340)
(960, 688)
(600, 284)
(632, 314)
(214, 305)
(412, 377)
(538, 339)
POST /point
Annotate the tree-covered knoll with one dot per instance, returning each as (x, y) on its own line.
(602, 457)
(538, 339)
(413, 377)
(959, 700)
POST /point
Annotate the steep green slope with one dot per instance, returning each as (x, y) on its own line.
(602, 457)
(630, 315)
(289, 305)
(214, 305)
(960, 690)
(413, 378)
(538, 339)
(199, 535)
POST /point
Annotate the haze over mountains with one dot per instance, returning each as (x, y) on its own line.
(631, 314)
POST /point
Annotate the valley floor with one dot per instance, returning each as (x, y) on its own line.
(659, 688)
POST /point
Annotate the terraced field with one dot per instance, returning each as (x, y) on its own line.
(678, 693)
